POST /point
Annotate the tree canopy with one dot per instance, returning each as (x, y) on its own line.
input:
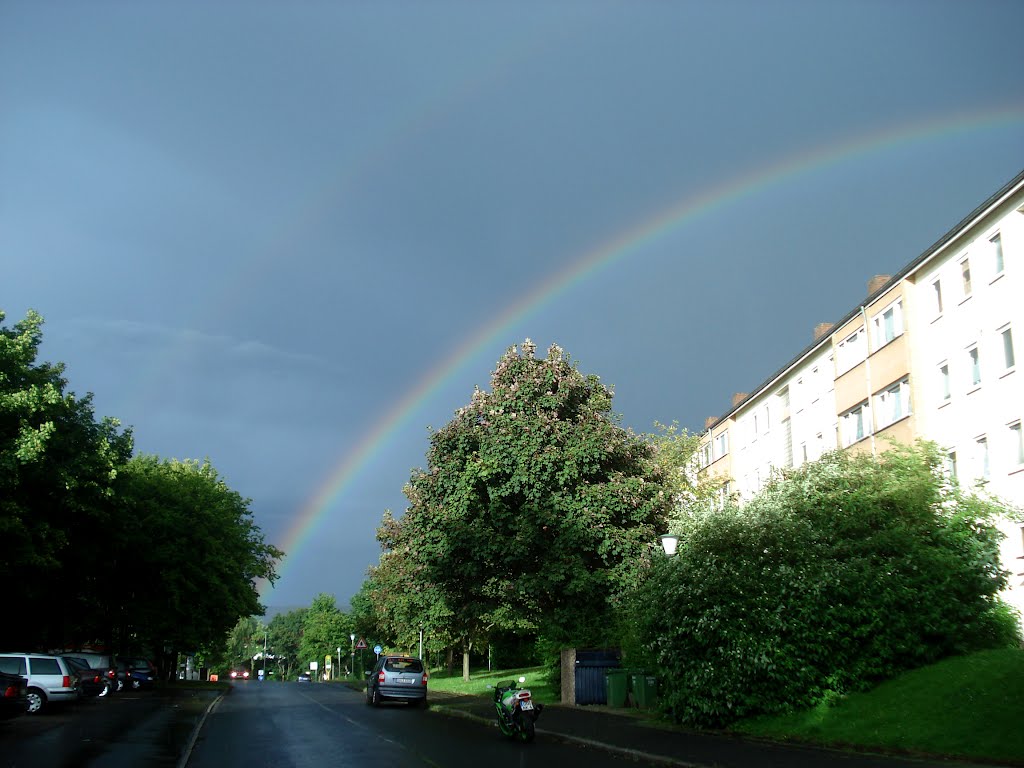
(139, 553)
(840, 574)
(535, 510)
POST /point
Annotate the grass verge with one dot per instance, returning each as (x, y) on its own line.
(969, 707)
(542, 690)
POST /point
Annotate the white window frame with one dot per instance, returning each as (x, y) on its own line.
(852, 351)
(856, 424)
(1016, 443)
(892, 404)
(945, 390)
(998, 260)
(966, 283)
(973, 367)
(882, 336)
(1005, 334)
(981, 448)
(721, 445)
(937, 297)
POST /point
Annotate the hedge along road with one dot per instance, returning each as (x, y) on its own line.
(317, 724)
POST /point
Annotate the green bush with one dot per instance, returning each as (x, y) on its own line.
(838, 575)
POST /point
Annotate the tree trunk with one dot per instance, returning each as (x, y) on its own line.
(465, 664)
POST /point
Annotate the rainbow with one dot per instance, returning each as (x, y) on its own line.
(627, 243)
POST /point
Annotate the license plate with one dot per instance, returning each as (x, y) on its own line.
(407, 680)
(526, 704)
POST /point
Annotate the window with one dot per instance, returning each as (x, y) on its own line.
(724, 494)
(888, 324)
(856, 424)
(704, 456)
(981, 446)
(937, 297)
(851, 350)
(965, 274)
(974, 365)
(1016, 443)
(893, 403)
(1009, 360)
(944, 380)
(997, 252)
(951, 463)
(721, 445)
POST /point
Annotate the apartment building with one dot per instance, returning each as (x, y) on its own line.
(930, 353)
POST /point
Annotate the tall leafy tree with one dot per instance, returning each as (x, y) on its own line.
(285, 640)
(189, 563)
(57, 468)
(536, 506)
(325, 628)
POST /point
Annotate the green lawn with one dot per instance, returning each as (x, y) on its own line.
(970, 706)
(542, 691)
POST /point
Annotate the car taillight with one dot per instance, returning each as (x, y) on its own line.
(67, 682)
(380, 676)
(11, 692)
(425, 676)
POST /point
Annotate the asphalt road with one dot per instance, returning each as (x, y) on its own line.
(132, 729)
(295, 725)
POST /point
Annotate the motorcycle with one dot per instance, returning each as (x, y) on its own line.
(517, 711)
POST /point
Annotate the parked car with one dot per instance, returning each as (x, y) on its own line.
(13, 696)
(90, 681)
(136, 672)
(49, 678)
(102, 663)
(304, 677)
(398, 678)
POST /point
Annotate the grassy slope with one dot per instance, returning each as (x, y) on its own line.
(970, 706)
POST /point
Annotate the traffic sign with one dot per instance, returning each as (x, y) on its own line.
(361, 644)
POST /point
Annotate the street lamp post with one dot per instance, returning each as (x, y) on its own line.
(352, 666)
(669, 543)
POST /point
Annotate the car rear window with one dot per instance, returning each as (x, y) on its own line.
(12, 665)
(77, 664)
(45, 667)
(403, 665)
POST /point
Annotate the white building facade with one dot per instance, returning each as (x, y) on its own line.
(931, 353)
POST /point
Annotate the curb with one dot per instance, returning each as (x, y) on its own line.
(187, 753)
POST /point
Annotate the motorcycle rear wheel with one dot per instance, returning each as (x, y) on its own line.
(526, 730)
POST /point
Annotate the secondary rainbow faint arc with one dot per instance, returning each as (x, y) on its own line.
(649, 230)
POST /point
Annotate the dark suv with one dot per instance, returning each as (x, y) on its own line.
(399, 678)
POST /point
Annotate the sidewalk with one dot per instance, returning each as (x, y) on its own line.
(629, 733)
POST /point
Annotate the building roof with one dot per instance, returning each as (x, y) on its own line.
(826, 338)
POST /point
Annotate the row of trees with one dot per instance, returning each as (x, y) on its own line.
(537, 518)
(286, 644)
(100, 545)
